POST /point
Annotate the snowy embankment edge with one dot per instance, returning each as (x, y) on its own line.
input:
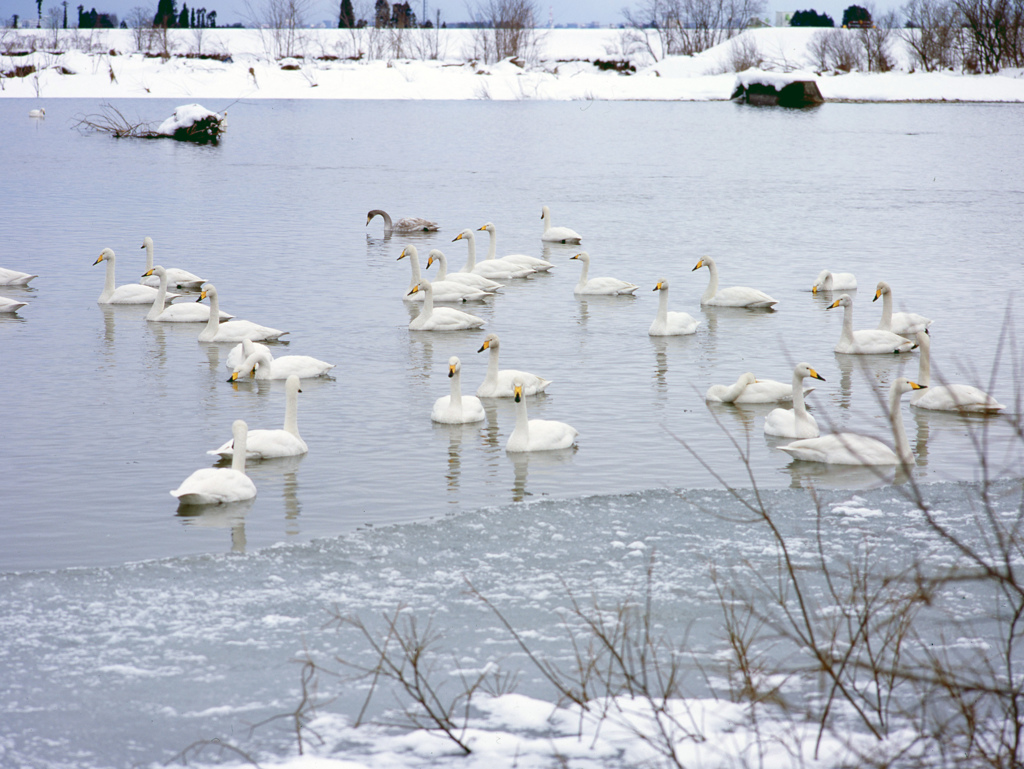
(563, 71)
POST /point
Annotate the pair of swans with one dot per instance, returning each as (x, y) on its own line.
(868, 341)
(456, 408)
(906, 324)
(407, 224)
(536, 434)
(749, 389)
(232, 330)
(255, 360)
(948, 397)
(834, 281)
(513, 260)
(670, 323)
(220, 485)
(734, 296)
(599, 286)
(857, 449)
(557, 234)
(440, 318)
(14, 278)
(444, 290)
(492, 269)
(189, 312)
(176, 277)
(468, 278)
(272, 444)
(500, 383)
(130, 293)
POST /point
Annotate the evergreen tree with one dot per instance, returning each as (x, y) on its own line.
(381, 14)
(346, 16)
(811, 19)
(65, 4)
(166, 13)
(183, 17)
(211, 19)
(856, 16)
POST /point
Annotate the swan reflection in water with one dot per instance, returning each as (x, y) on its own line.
(227, 516)
(541, 462)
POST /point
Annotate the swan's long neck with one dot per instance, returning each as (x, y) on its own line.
(266, 361)
(471, 255)
(584, 273)
(899, 432)
(428, 303)
(291, 412)
(414, 262)
(149, 255)
(663, 305)
(924, 363)
(847, 334)
(492, 249)
(799, 409)
(442, 267)
(108, 281)
(388, 226)
(522, 427)
(734, 391)
(161, 297)
(238, 449)
(492, 364)
(214, 321)
(455, 400)
(712, 288)
(547, 220)
(886, 322)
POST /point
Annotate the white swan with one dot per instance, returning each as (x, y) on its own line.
(271, 444)
(557, 234)
(857, 449)
(219, 485)
(750, 389)
(500, 383)
(670, 323)
(834, 281)
(443, 290)
(948, 397)
(489, 268)
(538, 265)
(175, 277)
(469, 278)
(406, 224)
(903, 323)
(14, 278)
(11, 305)
(794, 422)
(868, 341)
(189, 312)
(537, 434)
(41, 112)
(241, 351)
(600, 286)
(261, 364)
(232, 330)
(129, 293)
(440, 318)
(456, 408)
(735, 296)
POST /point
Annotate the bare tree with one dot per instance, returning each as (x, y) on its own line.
(280, 23)
(140, 22)
(684, 27)
(995, 31)
(876, 41)
(54, 17)
(931, 33)
(508, 30)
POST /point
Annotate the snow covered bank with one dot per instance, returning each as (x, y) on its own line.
(423, 64)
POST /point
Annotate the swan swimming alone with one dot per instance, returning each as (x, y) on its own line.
(14, 278)
(443, 290)
(456, 408)
(407, 224)
(220, 485)
(500, 383)
(489, 268)
(176, 278)
(189, 312)
(670, 323)
(734, 296)
(41, 112)
(11, 305)
(440, 318)
(469, 278)
(948, 397)
(834, 281)
(536, 434)
(260, 364)
(794, 422)
(272, 444)
(868, 341)
(232, 330)
(129, 293)
(749, 389)
(531, 262)
(557, 234)
(857, 449)
(905, 324)
(600, 286)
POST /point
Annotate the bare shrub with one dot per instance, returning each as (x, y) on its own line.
(140, 22)
(507, 30)
(684, 27)
(931, 33)
(876, 42)
(835, 49)
(281, 25)
(745, 54)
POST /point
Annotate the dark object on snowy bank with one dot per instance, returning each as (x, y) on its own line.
(189, 123)
(771, 90)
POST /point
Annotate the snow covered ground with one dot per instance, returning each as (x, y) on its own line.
(423, 64)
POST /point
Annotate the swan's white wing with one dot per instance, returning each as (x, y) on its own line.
(213, 486)
(741, 296)
(842, 449)
(956, 397)
(606, 286)
(505, 382)
(302, 366)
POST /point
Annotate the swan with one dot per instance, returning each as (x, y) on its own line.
(175, 277)
(489, 268)
(272, 444)
(41, 112)
(735, 296)
(670, 323)
(834, 281)
(868, 341)
(750, 389)
(405, 224)
(219, 485)
(469, 278)
(557, 234)
(14, 278)
(232, 330)
(440, 318)
(443, 290)
(261, 364)
(190, 312)
(241, 351)
(11, 305)
(948, 397)
(500, 383)
(457, 409)
(538, 265)
(795, 422)
(903, 323)
(603, 286)
(130, 293)
(536, 434)
(857, 449)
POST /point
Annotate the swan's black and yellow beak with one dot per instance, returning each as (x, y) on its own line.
(699, 265)
(657, 287)
(833, 305)
(878, 293)
(816, 375)
(147, 273)
(518, 393)
(430, 261)
(98, 260)
(457, 237)
(368, 218)
(486, 345)
(814, 289)
(577, 256)
(413, 290)
(401, 255)
(451, 371)
(202, 296)
(481, 228)
(916, 386)
(234, 377)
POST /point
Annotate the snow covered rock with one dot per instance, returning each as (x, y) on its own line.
(790, 89)
(193, 123)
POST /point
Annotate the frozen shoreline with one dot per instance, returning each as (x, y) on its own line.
(100, 64)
